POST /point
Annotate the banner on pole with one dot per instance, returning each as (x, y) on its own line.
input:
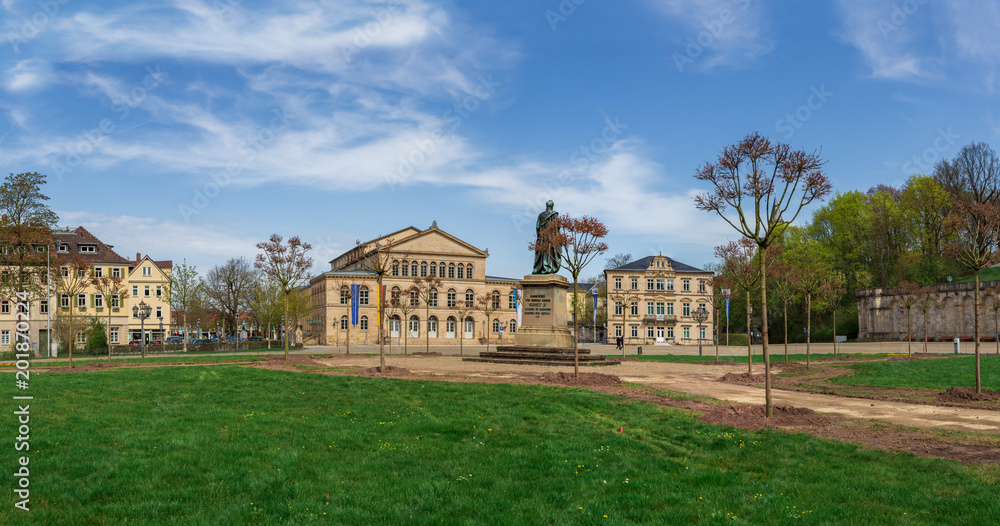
(518, 307)
(355, 292)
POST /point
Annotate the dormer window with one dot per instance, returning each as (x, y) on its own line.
(63, 247)
(87, 249)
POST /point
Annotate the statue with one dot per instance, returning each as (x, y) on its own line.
(547, 258)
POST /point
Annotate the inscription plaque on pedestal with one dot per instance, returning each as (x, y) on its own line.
(545, 315)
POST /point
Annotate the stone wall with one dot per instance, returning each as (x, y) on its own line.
(883, 317)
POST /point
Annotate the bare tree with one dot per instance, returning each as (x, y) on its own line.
(907, 295)
(427, 290)
(767, 185)
(462, 308)
(719, 284)
(833, 292)
(112, 290)
(406, 305)
(285, 264)
(618, 260)
(485, 303)
(186, 294)
(26, 225)
(809, 274)
(737, 263)
(264, 306)
(72, 280)
(784, 293)
(228, 288)
(622, 300)
(579, 241)
(375, 257)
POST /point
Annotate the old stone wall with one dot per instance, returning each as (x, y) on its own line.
(882, 316)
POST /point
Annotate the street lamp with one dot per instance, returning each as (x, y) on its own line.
(700, 315)
(162, 336)
(142, 311)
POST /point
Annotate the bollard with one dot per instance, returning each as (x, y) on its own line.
(956, 345)
(639, 350)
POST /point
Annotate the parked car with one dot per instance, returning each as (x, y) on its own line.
(134, 343)
(255, 339)
(174, 339)
(201, 340)
(156, 342)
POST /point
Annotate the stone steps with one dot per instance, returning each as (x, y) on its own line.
(556, 356)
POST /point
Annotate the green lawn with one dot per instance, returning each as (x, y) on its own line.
(757, 358)
(936, 374)
(232, 445)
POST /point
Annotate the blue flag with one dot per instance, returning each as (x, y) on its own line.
(355, 292)
(595, 307)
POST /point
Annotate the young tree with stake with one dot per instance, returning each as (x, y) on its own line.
(285, 264)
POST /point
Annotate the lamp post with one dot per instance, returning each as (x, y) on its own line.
(162, 336)
(141, 311)
(700, 315)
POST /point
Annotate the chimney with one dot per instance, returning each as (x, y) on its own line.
(137, 258)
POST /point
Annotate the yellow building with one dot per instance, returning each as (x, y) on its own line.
(149, 283)
(658, 298)
(413, 253)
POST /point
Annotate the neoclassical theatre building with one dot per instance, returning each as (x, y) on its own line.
(950, 313)
(414, 253)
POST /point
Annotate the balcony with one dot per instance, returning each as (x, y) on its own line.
(659, 317)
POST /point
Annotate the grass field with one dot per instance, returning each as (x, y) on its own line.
(231, 445)
(936, 374)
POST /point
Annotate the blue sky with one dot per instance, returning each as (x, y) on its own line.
(194, 129)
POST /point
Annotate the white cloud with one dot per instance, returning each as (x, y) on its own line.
(28, 74)
(717, 33)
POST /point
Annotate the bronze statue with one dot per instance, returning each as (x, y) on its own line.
(547, 257)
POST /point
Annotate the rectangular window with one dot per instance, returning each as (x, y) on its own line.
(635, 331)
(89, 249)
(114, 335)
(413, 269)
(618, 331)
(635, 283)
(634, 309)
(98, 272)
(670, 332)
(159, 312)
(659, 307)
(145, 290)
(159, 291)
(661, 284)
(701, 333)
(81, 301)
(686, 310)
(64, 301)
(81, 337)
(649, 284)
(701, 286)
(618, 283)
(4, 337)
(618, 310)
(64, 272)
(461, 272)
(43, 307)
(451, 298)
(451, 271)
(363, 296)
(147, 271)
(395, 269)
(116, 272)
(670, 309)
(98, 301)
(423, 270)
(4, 307)
(81, 273)
(701, 306)
(406, 270)
(135, 291)
(512, 300)
(670, 284)
(649, 332)
(433, 300)
(116, 302)
(649, 307)
(63, 247)
(686, 285)
(687, 333)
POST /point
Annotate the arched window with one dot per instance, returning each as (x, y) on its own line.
(363, 296)
(414, 297)
(364, 323)
(451, 298)
(450, 327)
(451, 271)
(406, 269)
(468, 271)
(394, 296)
(423, 269)
(432, 326)
(344, 323)
(345, 295)
(434, 269)
(496, 326)
(395, 268)
(512, 326)
(512, 300)
(461, 272)
(414, 326)
(496, 299)
(470, 327)
(432, 298)
(470, 298)
(394, 326)
(413, 268)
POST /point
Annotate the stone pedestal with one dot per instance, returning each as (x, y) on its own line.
(545, 314)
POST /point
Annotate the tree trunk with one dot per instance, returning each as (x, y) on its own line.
(623, 332)
(184, 320)
(808, 325)
(996, 332)
(378, 310)
(109, 332)
(785, 305)
(909, 332)
(749, 352)
(768, 409)
(576, 333)
(976, 311)
(925, 332)
(427, 335)
(835, 332)
(286, 326)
